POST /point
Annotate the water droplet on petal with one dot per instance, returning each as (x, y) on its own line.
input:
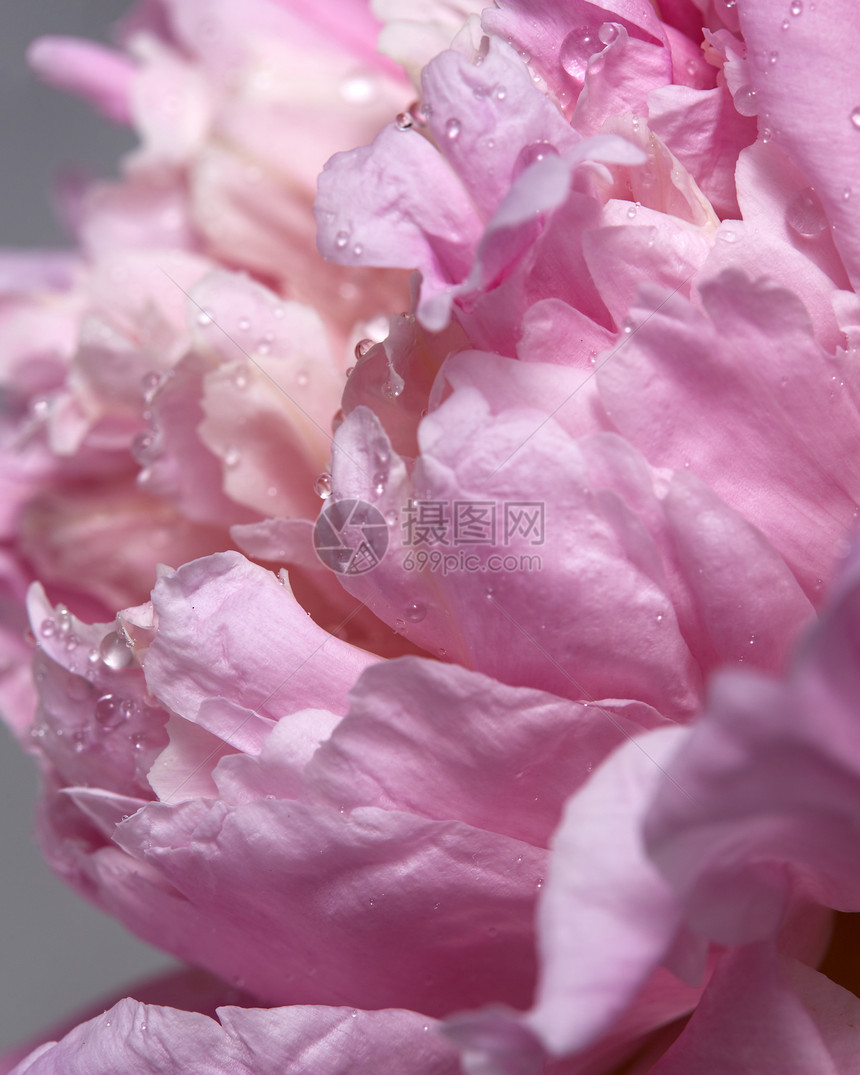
(608, 32)
(341, 239)
(244, 324)
(362, 347)
(855, 118)
(415, 612)
(452, 129)
(805, 214)
(766, 135)
(108, 711)
(631, 212)
(204, 317)
(530, 154)
(358, 250)
(149, 385)
(727, 236)
(323, 485)
(785, 24)
(746, 101)
(774, 56)
(115, 651)
(403, 121)
(501, 93)
(796, 7)
(232, 457)
(48, 629)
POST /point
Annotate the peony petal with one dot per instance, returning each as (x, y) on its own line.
(442, 742)
(355, 908)
(674, 391)
(762, 1015)
(819, 128)
(140, 1039)
(228, 628)
(607, 918)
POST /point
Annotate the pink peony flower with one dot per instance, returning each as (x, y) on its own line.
(464, 781)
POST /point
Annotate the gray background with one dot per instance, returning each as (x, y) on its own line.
(57, 954)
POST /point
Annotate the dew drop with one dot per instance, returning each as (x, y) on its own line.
(149, 385)
(453, 128)
(746, 101)
(362, 347)
(631, 212)
(796, 7)
(772, 58)
(501, 93)
(728, 236)
(341, 239)
(846, 194)
(204, 317)
(399, 624)
(608, 32)
(232, 457)
(244, 324)
(766, 135)
(108, 711)
(805, 214)
(530, 154)
(323, 485)
(442, 651)
(358, 250)
(350, 370)
(115, 651)
(48, 629)
(785, 24)
(403, 121)
(855, 118)
(415, 611)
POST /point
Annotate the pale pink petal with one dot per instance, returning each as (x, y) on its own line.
(397, 203)
(95, 722)
(98, 74)
(228, 628)
(675, 389)
(442, 742)
(140, 1039)
(490, 120)
(706, 133)
(358, 908)
(760, 813)
(619, 77)
(820, 128)
(560, 36)
(607, 918)
(525, 625)
(762, 1015)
